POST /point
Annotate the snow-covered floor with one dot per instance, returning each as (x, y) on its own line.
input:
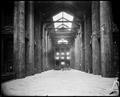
(60, 83)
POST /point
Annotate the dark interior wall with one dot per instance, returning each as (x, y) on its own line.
(116, 36)
(7, 12)
(7, 53)
(6, 33)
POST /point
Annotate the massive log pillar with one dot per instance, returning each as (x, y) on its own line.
(46, 39)
(19, 39)
(95, 37)
(46, 50)
(30, 33)
(50, 53)
(44, 64)
(106, 38)
(87, 39)
(82, 47)
(38, 40)
(72, 55)
(77, 52)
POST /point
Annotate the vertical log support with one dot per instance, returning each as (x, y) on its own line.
(80, 41)
(44, 47)
(106, 39)
(30, 32)
(87, 39)
(19, 39)
(72, 55)
(78, 49)
(38, 40)
(95, 37)
(77, 52)
(15, 40)
(82, 48)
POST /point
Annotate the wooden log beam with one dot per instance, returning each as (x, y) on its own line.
(19, 39)
(96, 67)
(30, 33)
(106, 38)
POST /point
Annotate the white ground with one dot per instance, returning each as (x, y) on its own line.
(60, 83)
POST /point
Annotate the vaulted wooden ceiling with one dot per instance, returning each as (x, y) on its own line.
(50, 8)
(76, 8)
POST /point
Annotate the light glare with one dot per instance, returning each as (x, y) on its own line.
(62, 63)
(62, 53)
(56, 58)
(57, 53)
(62, 41)
(62, 57)
(68, 58)
(68, 53)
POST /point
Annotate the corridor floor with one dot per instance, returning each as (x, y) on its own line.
(60, 83)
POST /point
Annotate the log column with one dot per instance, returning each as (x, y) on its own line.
(46, 54)
(30, 32)
(44, 48)
(38, 40)
(82, 47)
(87, 39)
(72, 55)
(95, 37)
(19, 39)
(106, 38)
(77, 52)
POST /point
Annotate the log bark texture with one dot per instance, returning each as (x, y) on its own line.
(30, 33)
(38, 40)
(106, 38)
(87, 40)
(96, 66)
(19, 39)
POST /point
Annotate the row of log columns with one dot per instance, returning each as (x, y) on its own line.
(87, 39)
(95, 38)
(106, 38)
(38, 42)
(30, 45)
(19, 39)
(99, 61)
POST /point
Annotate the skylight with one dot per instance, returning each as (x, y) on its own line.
(62, 41)
(63, 20)
(58, 16)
